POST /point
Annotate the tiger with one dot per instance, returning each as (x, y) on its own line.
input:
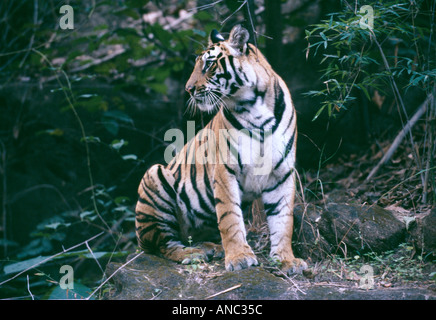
(203, 202)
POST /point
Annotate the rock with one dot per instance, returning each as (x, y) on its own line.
(151, 277)
(359, 228)
(146, 277)
(344, 229)
(423, 233)
(307, 241)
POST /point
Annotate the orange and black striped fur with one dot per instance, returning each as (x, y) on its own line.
(202, 192)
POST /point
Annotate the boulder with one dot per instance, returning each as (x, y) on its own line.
(361, 228)
(307, 241)
(423, 233)
(345, 229)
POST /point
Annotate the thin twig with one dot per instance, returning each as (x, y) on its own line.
(225, 20)
(28, 288)
(292, 281)
(92, 253)
(104, 282)
(206, 6)
(117, 51)
(224, 291)
(252, 24)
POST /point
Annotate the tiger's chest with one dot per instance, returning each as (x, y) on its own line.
(257, 167)
(263, 143)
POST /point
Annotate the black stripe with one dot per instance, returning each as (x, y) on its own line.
(229, 170)
(288, 150)
(271, 208)
(177, 177)
(193, 214)
(209, 190)
(153, 203)
(279, 105)
(232, 65)
(168, 189)
(225, 214)
(233, 121)
(226, 75)
(159, 196)
(187, 203)
(290, 120)
(201, 201)
(273, 188)
(233, 88)
(266, 122)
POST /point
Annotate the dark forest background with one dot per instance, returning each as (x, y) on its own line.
(83, 113)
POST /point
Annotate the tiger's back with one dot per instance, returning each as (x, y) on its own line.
(247, 151)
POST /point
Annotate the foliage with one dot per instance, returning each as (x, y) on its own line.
(91, 189)
(355, 62)
(397, 53)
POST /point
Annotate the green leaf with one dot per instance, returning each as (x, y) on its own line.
(80, 291)
(201, 33)
(91, 139)
(23, 265)
(323, 36)
(55, 225)
(365, 91)
(118, 116)
(118, 144)
(86, 96)
(29, 263)
(121, 199)
(85, 214)
(111, 126)
(52, 132)
(130, 157)
(318, 113)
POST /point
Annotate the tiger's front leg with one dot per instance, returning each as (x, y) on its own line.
(279, 205)
(238, 254)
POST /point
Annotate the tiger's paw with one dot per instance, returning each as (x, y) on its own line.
(240, 260)
(205, 251)
(293, 266)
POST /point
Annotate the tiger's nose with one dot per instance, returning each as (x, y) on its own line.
(189, 89)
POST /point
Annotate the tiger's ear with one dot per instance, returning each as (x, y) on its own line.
(238, 38)
(215, 37)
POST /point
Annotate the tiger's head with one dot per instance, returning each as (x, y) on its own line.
(225, 72)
